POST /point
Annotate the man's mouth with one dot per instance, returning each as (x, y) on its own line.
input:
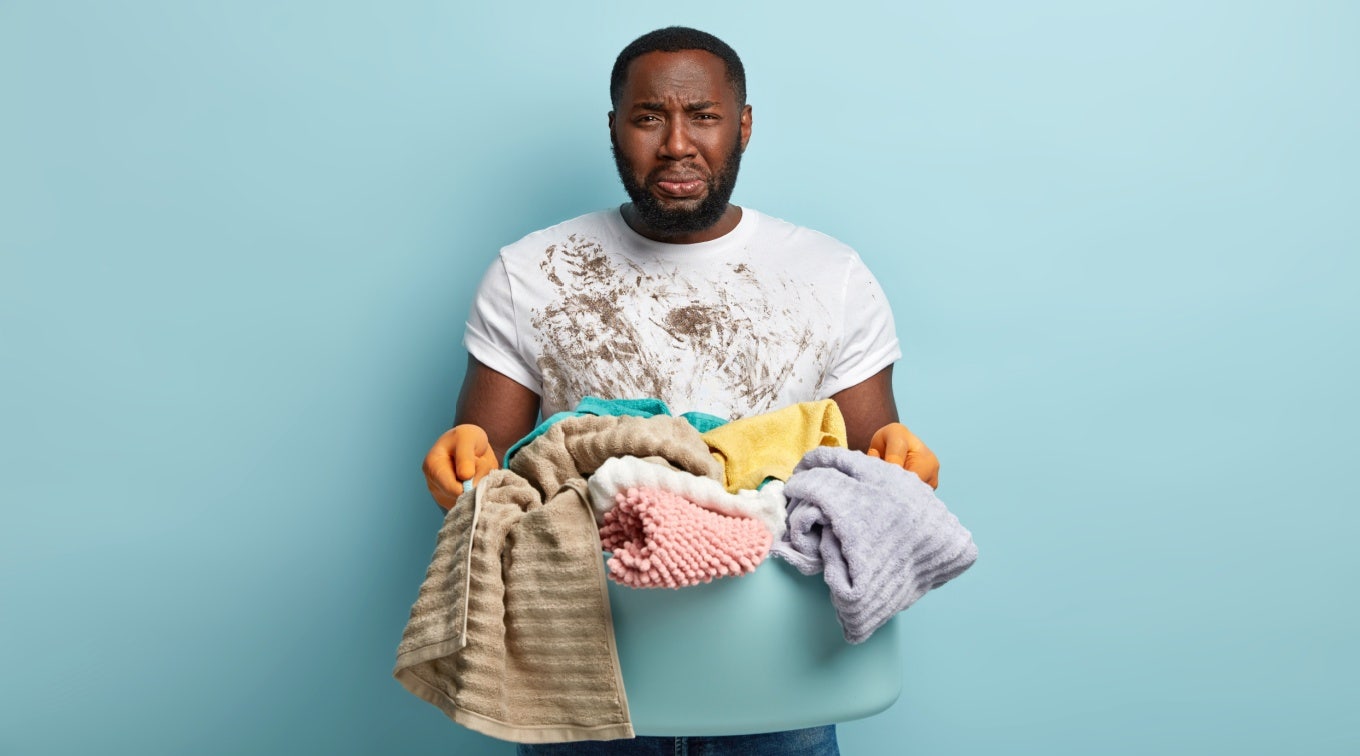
(680, 189)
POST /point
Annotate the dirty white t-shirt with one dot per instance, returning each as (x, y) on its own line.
(768, 315)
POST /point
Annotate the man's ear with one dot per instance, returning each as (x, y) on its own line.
(611, 120)
(745, 126)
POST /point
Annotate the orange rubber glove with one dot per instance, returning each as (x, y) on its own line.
(461, 455)
(896, 445)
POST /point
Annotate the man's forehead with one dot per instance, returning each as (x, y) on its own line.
(689, 75)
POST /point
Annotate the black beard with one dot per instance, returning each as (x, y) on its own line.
(680, 222)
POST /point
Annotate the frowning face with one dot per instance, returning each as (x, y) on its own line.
(678, 132)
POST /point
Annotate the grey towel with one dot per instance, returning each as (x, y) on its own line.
(879, 535)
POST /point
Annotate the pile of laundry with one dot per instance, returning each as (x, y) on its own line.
(511, 633)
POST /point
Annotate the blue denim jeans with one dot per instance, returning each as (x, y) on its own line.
(813, 741)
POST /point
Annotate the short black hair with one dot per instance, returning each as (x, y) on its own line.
(675, 39)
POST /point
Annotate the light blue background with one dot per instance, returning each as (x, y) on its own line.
(239, 241)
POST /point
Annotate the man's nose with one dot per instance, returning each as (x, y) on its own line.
(678, 145)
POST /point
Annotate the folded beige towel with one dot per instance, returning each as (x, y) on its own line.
(577, 446)
(511, 633)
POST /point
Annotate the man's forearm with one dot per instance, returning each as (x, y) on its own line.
(866, 407)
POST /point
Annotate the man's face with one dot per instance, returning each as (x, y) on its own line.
(678, 134)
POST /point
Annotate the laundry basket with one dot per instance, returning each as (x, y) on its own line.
(758, 653)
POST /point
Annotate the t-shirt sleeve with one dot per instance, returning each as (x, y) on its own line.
(869, 338)
(492, 333)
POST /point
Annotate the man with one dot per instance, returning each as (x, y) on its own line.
(677, 295)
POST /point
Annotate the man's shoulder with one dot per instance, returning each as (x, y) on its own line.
(787, 237)
(583, 229)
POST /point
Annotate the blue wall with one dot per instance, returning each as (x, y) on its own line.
(238, 241)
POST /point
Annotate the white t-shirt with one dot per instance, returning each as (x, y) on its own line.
(769, 314)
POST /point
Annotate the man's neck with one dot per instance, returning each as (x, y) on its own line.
(729, 220)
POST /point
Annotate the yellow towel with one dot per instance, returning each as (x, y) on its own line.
(755, 448)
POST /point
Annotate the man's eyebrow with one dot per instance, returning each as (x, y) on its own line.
(689, 107)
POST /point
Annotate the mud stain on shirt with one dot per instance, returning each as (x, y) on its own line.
(620, 329)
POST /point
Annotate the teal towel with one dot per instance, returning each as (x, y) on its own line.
(702, 421)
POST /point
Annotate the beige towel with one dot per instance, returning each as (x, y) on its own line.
(577, 446)
(511, 633)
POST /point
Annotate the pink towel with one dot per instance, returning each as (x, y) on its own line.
(662, 540)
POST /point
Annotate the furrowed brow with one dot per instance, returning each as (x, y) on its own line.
(689, 107)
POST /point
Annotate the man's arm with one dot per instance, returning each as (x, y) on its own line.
(871, 426)
(502, 407)
(493, 413)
